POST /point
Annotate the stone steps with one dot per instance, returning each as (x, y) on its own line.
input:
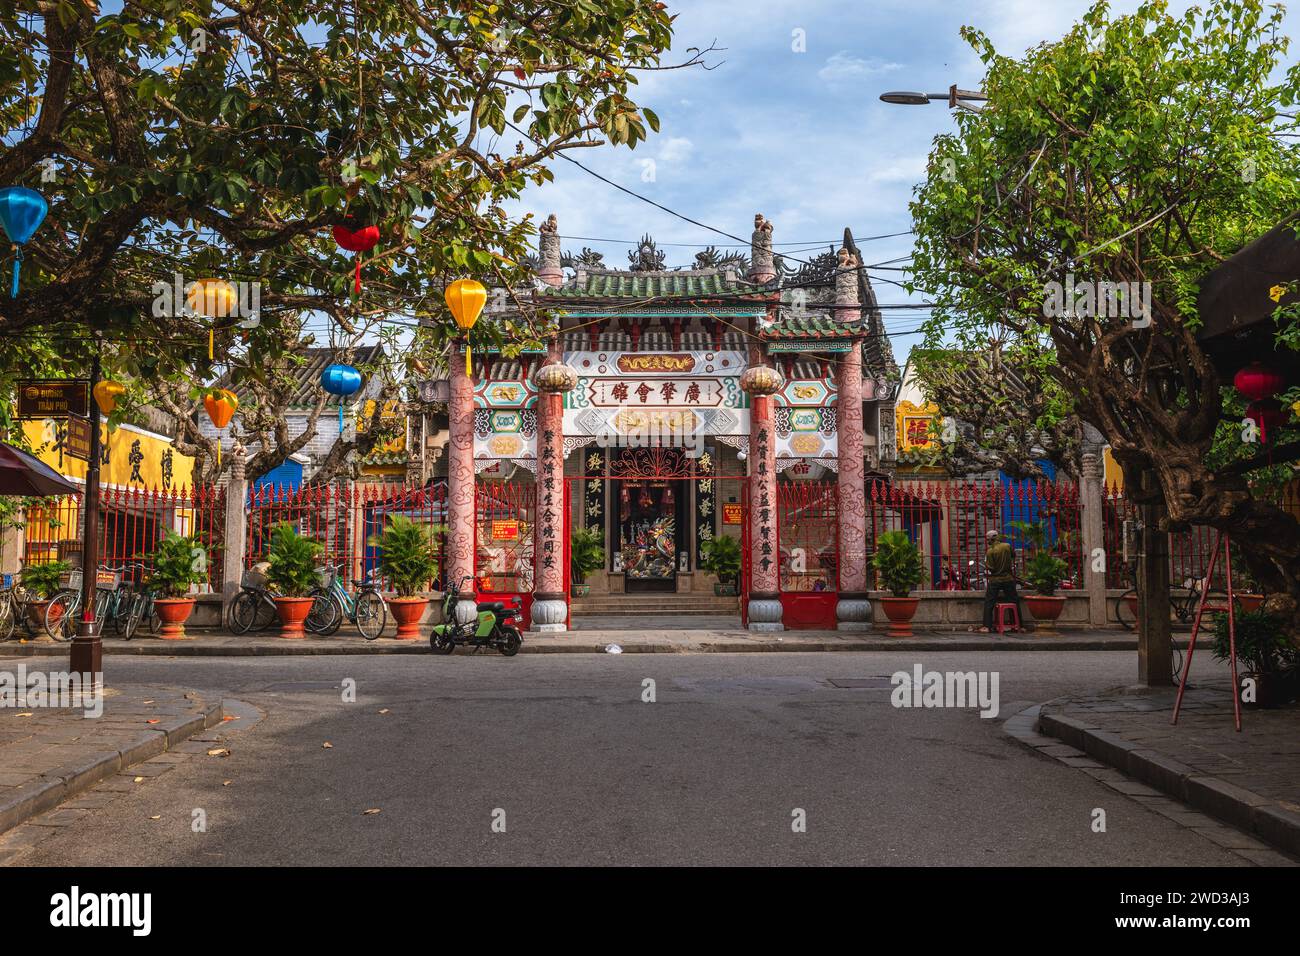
(643, 604)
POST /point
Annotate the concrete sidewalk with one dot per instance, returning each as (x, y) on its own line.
(645, 641)
(48, 755)
(1250, 780)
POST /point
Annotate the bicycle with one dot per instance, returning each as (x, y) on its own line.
(1182, 606)
(13, 610)
(254, 607)
(64, 608)
(368, 610)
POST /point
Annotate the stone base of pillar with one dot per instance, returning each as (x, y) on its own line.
(853, 612)
(549, 613)
(765, 614)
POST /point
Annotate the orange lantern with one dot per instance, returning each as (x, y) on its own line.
(466, 298)
(213, 298)
(221, 405)
(106, 395)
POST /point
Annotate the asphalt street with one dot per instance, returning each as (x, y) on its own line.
(563, 753)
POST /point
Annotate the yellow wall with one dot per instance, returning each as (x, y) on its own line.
(136, 458)
(1112, 474)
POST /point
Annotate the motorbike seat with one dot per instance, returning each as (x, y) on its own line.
(491, 606)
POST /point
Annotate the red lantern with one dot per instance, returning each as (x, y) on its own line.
(358, 241)
(1267, 413)
(1257, 381)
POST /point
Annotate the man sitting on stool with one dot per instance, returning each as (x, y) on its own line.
(1001, 587)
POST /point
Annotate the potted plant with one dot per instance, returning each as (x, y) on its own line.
(897, 562)
(1043, 572)
(586, 556)
(1267, 656)
(1249, 595)
(178, 563)
(407, 561)
(720, 556)
(43, 581)
(292, 573)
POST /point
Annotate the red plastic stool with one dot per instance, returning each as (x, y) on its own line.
(1000, 612)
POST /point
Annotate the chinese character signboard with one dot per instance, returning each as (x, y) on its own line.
(731, 513)
(77, 441)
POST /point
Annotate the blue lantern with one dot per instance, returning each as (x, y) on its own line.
(340, 380)
(22, 211)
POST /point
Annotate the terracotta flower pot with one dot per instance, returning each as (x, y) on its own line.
(293, 611)
(1250, 602)
(1271, 690)
(900, 611)
(408, 611)
(174, 612)
(1045, 608)
(36, 614)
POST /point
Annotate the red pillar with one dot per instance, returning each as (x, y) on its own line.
(550, 603)
(764, 609)
(460, 487)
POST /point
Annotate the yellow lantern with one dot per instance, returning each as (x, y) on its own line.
(214, 298)
(106, 395)
(466, 299)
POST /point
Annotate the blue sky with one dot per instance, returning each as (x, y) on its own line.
(800, 137)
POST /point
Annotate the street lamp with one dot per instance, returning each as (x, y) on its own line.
(954, 96)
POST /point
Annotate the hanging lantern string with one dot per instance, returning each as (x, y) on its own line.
(18, 259)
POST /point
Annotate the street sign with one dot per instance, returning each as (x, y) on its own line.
(77, 442)
(53, 398)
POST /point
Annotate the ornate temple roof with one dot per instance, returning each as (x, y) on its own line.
(589, 283)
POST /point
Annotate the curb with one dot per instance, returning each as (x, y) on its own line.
(1234, 805)
(143, 647)
(62, 783)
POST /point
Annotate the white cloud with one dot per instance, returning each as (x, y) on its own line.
(844, 68)
(675, 149)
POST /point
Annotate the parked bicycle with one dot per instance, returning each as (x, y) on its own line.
(1183, 602)
(13, 610)
(367, 609)
(254, 606)
(64, 611)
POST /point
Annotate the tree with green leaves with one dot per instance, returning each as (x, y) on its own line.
(1140, 149)
(203, 139)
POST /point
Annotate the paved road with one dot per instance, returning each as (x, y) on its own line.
(585, 772)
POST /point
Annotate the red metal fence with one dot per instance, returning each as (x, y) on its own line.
(346, 519)
(948, 522)
(132, 522)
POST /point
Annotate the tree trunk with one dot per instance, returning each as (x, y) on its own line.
(1155, 651)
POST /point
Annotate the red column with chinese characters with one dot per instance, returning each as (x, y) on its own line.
(764, 608)
(853, 611)
(550, 603)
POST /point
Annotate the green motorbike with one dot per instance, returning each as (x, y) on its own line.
(493, 626)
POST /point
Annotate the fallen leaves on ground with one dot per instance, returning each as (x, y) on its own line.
(138, 780)
(327, 746)
(229, 717)
(372, 810)
(219, 752)
(26, 714)
(159, 817)
(384, 711)
(226, 783)
(152, 720)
